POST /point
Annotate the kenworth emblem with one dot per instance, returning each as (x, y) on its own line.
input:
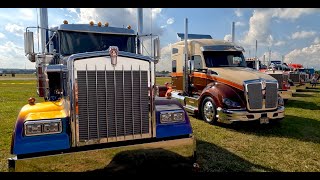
(113, 51)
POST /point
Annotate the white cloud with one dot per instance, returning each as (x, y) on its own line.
(279, 43)
(293, 13)
(274, 56)
(18, 15)
(2, 35)
(170, 21)
(155, 12)
(27, 14)
(119, 17)
(15, 29)
(12, 56)
(259, 23)
(165, 63)
(259, 28)
(72, 10)
(302, 34)
(316, 40)
(228, 37)
(238, 12)
(238, 23)
(308, 56)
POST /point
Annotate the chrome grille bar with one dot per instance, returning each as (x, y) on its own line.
(140, 101)
(271, 95)
(261, 99)
(124, 102)
(106, 88)
(87, 101)
(132, 101)
(113, 104)
(255, 96)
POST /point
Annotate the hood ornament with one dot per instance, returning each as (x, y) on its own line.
(113, 52)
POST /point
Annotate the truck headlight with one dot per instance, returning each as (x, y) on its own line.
(172, 116)
(230, 103)
(33, 128)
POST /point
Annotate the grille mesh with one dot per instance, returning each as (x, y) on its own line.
(112, 103)
(256, 98)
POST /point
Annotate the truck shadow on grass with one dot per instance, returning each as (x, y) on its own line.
(148, 161)
(210, 157)
(308, 90)
(301, 95)
(302, 104)
(213, 158)
(303, 129)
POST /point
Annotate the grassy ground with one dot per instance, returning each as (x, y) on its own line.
(290, 146)
(18, 77)
(14, 95)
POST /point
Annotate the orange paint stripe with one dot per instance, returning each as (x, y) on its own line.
(217, 79)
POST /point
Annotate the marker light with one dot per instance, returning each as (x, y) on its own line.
(65, 22)
(106, 24)
(99, 24)
(129, 27)
(31, 100)
(91, 23)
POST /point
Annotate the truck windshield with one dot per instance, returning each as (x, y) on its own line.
(224, 59)
(79, 42)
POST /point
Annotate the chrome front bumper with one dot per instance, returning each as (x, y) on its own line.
(110, 159)
(229, 116)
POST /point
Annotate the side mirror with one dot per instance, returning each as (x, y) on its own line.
(156, 50)
(29, 46)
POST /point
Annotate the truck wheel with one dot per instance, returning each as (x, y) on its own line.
(208, 110)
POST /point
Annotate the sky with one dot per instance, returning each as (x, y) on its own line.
(289, 33)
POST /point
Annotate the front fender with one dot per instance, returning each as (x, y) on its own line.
(22, 144)
(218, 91)
(171, 129)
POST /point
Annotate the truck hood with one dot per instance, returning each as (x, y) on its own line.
(238, 75)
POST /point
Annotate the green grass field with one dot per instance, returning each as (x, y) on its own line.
(290, 146)
(18, 77)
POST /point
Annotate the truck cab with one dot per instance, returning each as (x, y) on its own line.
(220, 86)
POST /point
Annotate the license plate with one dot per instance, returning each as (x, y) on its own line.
(264, 120)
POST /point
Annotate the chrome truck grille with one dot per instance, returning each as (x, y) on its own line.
(259, 98)
(113, 105)
(280, 78)
(295, 78)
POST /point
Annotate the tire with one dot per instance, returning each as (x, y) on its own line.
(209, 110)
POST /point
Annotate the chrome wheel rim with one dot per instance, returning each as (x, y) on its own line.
(208, 111)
